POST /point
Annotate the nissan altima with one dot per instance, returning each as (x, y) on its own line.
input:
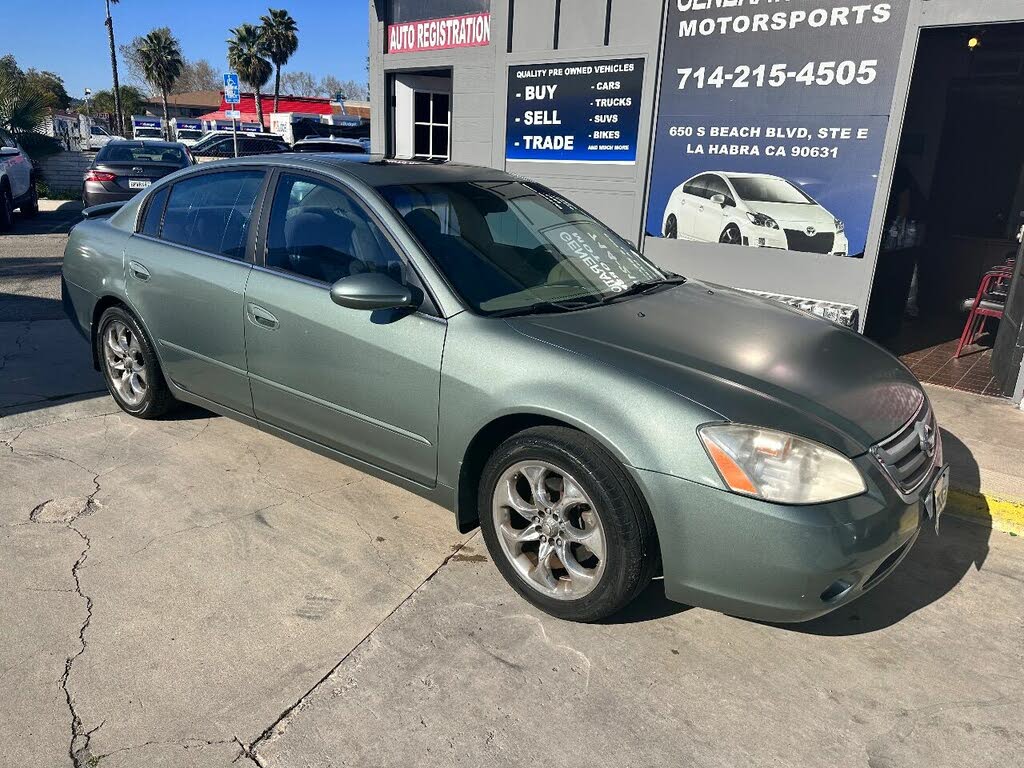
(482, 341)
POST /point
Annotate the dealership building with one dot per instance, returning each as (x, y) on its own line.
(856, 158)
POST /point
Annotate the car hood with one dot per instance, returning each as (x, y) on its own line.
(797, 214)
(752, 360)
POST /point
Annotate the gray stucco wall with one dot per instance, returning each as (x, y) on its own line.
(614, 193)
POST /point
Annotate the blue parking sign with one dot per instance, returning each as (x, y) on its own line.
(232, 93)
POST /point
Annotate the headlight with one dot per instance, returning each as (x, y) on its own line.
(840, 227)
(778, 467)
(762, 220)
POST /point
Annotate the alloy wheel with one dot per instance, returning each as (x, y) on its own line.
(731, 235)
(549, 529)
(125, 362)
(671, 227)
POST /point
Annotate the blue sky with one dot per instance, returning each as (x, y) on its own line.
(69, 37)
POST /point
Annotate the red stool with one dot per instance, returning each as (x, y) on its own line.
(985, 305)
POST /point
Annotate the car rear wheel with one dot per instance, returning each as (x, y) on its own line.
(671, 227)
(30, 207)
(6, 208)
(731, 235)
(565, 524)
(130, 367)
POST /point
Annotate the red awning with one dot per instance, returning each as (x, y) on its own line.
(307, 105)
(247, 117)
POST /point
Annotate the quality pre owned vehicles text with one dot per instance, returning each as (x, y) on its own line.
(482, 341)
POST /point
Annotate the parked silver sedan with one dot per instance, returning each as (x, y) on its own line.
(482, 341)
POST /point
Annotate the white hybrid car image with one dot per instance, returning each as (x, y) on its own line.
(753, 209)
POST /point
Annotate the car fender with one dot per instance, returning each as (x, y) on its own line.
(641, 423)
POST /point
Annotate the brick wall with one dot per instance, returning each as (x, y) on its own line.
(64, 170)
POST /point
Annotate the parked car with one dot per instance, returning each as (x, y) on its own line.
(123, 168)
(752, 209)
(482, 341)
(341, 146)
(99, 137)
(17, 182)
(221, 144)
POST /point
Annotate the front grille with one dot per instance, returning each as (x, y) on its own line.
(907, 456)
(800, 241)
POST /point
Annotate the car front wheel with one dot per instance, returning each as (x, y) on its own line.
(130, 366)
(671, 227)
(731, 235)
(565, 524)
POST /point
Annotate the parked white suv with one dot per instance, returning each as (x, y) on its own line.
(752, 209)
(17, 182)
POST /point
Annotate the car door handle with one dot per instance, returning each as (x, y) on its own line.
(138, 271)
(261, 317)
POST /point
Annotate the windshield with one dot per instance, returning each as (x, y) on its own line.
(765, 189)
(149, 133)
(120, 152)
(188, 133)
(507, 246)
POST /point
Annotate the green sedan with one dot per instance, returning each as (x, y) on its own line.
(480, 340)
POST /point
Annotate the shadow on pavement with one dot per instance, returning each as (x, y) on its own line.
(650, 605)
(935, 565)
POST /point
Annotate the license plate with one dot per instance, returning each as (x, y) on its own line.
(935, 499)
(138, 183)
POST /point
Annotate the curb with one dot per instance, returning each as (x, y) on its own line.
(998, 514)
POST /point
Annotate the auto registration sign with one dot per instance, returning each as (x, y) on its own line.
(138, 183)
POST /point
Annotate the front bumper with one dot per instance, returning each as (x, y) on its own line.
(773, 562)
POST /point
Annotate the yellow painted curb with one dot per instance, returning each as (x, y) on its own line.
(996, 513)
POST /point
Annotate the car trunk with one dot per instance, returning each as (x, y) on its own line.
(134, 176)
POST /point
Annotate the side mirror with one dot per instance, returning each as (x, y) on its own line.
(718, 200)
(370, 291)
(9, 151)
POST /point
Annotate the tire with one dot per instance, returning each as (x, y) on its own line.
(671, 227)
(731, 235)
(130, 367)
(6, 209)
(30, 208)
(604, 509)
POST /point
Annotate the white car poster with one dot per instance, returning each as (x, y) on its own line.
(771, 122)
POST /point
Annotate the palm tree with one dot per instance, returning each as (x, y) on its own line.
(118, 122)
(247, 51)
(162, 63)
(282, 37)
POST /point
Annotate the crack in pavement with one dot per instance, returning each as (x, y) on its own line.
(78, 748)
(277, 728)
(18, 341)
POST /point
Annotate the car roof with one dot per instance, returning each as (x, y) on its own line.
(374, 170)
(146, 144)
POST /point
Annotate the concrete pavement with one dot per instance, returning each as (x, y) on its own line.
(193, 592)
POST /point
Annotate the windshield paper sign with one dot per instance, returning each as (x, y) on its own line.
(772, 121)
(574, 112)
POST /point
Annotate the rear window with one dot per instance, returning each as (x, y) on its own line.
(211, 212)
(118, 152)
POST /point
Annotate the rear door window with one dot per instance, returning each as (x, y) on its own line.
(154, 213)
(212, 212)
